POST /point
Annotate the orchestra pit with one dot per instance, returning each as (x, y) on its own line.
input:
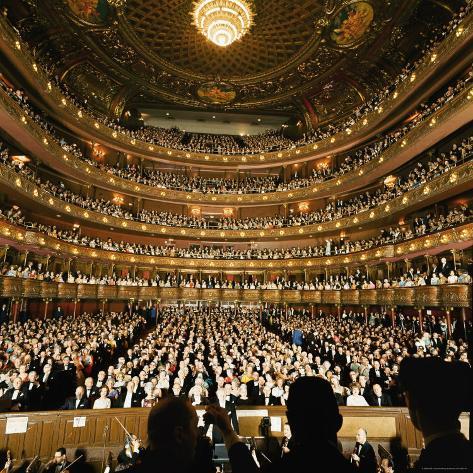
(236, 236)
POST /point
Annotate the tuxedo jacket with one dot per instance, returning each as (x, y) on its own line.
(70, 404)
(21, 401)
(135, 399)
(340, 359)
(34, 396)
(373, 400)
(253, 391)
(94, 392)
(375, 379)
(367, 463)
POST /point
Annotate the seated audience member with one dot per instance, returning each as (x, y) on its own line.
(17, 395)
(378, 398)
(355, 398)
(363, 456)
(79, 401)
(103, 402)
(129, 397)
(436, 392)
(314, 427)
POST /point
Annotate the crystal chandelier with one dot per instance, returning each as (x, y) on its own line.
(223, 21)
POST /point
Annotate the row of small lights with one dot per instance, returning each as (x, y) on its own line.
(433, 57)
(405, 200)
(444, 238)
(404, 142)
(290, 195)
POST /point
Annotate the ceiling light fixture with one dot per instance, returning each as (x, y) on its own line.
(223, 21)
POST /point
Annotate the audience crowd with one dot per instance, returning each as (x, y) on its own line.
(231, 354)
(269, 140)
(418, 226)
(419, 174)
(439, 274)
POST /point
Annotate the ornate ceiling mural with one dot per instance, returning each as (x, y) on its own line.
(294, 51)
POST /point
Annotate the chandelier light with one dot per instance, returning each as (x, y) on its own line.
(223, 21)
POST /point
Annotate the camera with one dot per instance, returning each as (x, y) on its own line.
(208, 418)
(265, 426)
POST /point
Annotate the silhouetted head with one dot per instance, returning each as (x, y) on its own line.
(436, 392)
(172, 428)
(312, 410)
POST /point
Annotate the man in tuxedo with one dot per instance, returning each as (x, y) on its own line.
(377, 375)
(438, 343)
(16, 395)
(34, 392)
(91, 392)
(445, 267)
(340, 357)
(101, 380)
(65, 377)
(364, 390)
(79, 401)
(253, 388)
(363, 455)
(3, 314)
(47, 380)
(129, 397)
(58, 463)
(436, 392)
(58, 312)
(378, 398)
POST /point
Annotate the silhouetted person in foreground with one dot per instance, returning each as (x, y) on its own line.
(312, 413)
(436, 393)
(174, 441)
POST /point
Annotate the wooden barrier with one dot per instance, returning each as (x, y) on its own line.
(47, 431)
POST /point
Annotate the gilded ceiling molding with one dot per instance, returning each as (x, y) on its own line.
(328, 146)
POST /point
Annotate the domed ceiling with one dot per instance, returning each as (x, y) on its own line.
(311, 56)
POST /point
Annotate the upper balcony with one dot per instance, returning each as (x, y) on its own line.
(36, 140)
(456, 180)
(450, 57)
(22, 239)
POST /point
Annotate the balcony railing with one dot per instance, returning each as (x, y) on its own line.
(400, 151)
(460, 177)
(449, 295)
(18, 237)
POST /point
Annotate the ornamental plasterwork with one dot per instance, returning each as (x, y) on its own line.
(18, 236)
(288, 38)
(443, 50)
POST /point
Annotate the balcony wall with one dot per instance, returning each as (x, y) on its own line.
(451, 295)
(458, 179)
(18, 237)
